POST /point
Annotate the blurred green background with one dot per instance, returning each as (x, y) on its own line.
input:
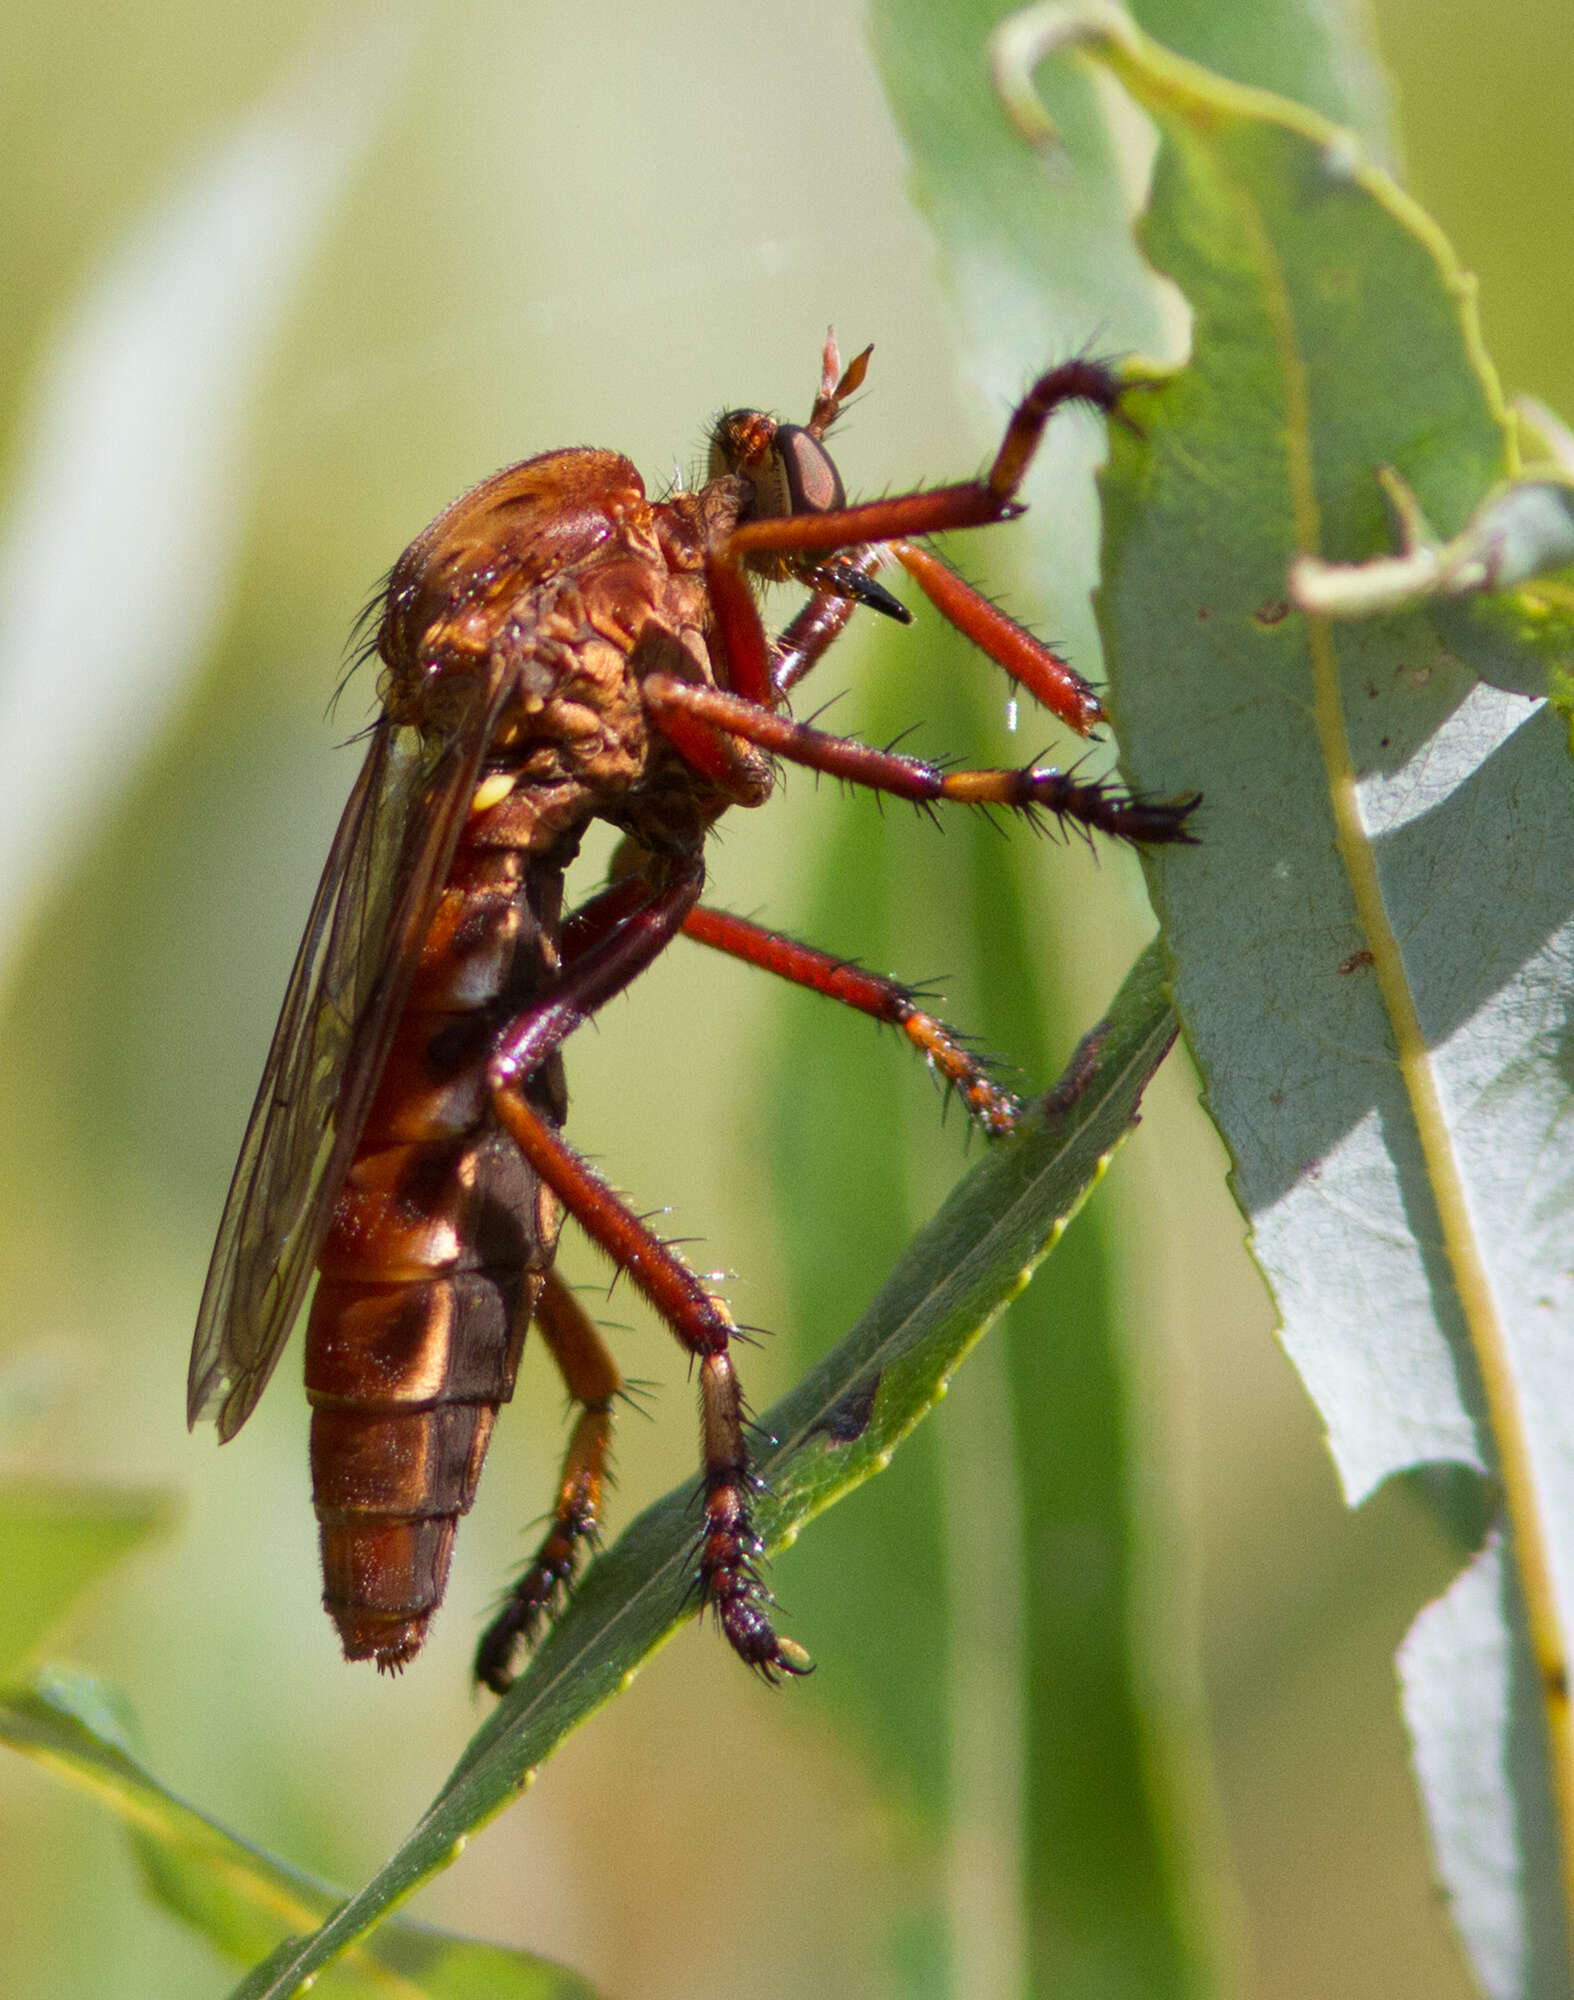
(554, 238)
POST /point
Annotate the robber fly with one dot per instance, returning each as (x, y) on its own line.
(557, 648)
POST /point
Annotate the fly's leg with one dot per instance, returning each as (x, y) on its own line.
(729, 1581)
(765, 675)
(972, 503)
(594, 1382)
(610, 942)
(1034, 666)
(803, 644)
(685, 711)
(800, 536)
(883, 999)
(996, 1110)
(618, 935)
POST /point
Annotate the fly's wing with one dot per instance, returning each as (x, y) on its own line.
(389, 861)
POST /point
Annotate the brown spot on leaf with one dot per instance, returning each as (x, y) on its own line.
(848, 1417)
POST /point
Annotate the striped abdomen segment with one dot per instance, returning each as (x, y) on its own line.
(439, 1242)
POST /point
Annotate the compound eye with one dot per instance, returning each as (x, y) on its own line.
(813, 485)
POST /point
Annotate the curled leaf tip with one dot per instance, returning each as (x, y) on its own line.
(1025, 39)
(1522, 529)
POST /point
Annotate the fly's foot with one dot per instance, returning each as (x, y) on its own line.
(533, 1603)
(731, 1585)
(1107, 808)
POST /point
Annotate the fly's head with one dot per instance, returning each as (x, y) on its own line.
(787, 471)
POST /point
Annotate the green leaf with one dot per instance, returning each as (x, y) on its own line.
(839, 1425)
(1114, 1883)
(1319, 52)
(1373, 945)
(56, 1540)
(242, 1900)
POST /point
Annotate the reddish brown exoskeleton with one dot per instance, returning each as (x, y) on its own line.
(558, 648)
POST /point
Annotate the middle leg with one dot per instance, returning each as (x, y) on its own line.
(995, 1109)
(881, 998)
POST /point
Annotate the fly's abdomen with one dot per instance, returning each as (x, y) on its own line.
(440, 1239)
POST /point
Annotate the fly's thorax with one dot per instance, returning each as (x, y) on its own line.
(574, 737)
(560, 758)
(525, 525)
